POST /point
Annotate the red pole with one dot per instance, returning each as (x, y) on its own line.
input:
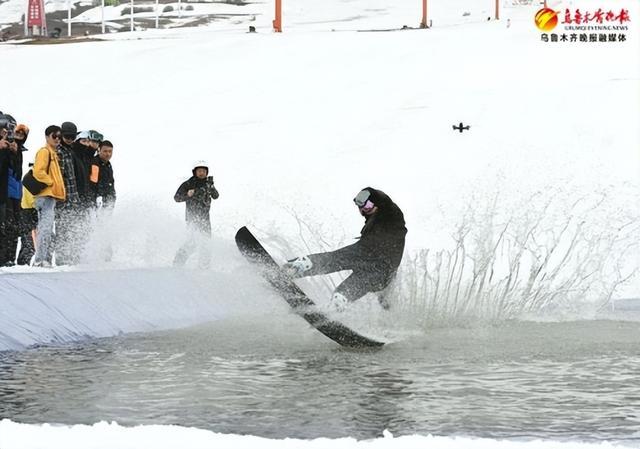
(423, 24)
(277, 22)
(497, 9)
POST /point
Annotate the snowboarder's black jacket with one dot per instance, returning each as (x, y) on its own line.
(197, 210)
(379, 249)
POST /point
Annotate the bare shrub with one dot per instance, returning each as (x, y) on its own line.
(556, 252)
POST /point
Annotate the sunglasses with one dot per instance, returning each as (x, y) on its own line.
(56, 136)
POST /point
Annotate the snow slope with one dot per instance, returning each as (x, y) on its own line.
(294, 124)
(113, 436)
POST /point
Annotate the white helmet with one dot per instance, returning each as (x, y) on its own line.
(200, 164)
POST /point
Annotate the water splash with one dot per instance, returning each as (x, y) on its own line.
(556, 251)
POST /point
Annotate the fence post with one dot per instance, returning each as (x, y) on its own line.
(277, 22)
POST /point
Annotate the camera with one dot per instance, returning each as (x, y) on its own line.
(9, 123)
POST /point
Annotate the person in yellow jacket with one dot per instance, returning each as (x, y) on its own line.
(46, 169)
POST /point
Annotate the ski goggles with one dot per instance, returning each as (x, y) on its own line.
(95, 136)
(91, 135)
(363, 201)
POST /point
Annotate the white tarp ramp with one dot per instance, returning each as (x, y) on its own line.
(41, 308)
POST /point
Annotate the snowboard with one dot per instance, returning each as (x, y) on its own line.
(282, 283)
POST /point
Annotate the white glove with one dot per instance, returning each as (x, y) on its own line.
(298, 266)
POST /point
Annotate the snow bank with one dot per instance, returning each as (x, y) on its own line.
(113, 436)
(41, 308)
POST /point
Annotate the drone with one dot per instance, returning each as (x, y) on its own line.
(461, 127)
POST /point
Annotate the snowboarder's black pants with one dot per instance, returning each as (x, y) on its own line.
(359, 283)
(367, 275)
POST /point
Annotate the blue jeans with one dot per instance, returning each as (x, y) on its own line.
(45, 205)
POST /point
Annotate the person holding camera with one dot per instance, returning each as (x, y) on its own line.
(197, 192)
(7, 147)
(13, 211)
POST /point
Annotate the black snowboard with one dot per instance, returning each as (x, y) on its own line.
(297, 299)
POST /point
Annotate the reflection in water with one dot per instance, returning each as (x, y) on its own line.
(380, 404)
(561, 381)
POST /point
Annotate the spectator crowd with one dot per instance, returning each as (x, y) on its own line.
(47, 212)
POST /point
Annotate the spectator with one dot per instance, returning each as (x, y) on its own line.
(29, 224)
(84, 149)
(101, 181)
(28, 215)
(4, 171)
(69, 216)
(46, 169)
(13, 219)
(103, 190)
(7, 147)
(197, 192)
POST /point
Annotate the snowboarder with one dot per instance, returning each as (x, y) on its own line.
(197, 192)
(374, 259)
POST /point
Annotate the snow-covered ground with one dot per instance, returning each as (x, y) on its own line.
(12, 436)
(295, 124)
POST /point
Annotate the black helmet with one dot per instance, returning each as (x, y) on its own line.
(69, 129)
